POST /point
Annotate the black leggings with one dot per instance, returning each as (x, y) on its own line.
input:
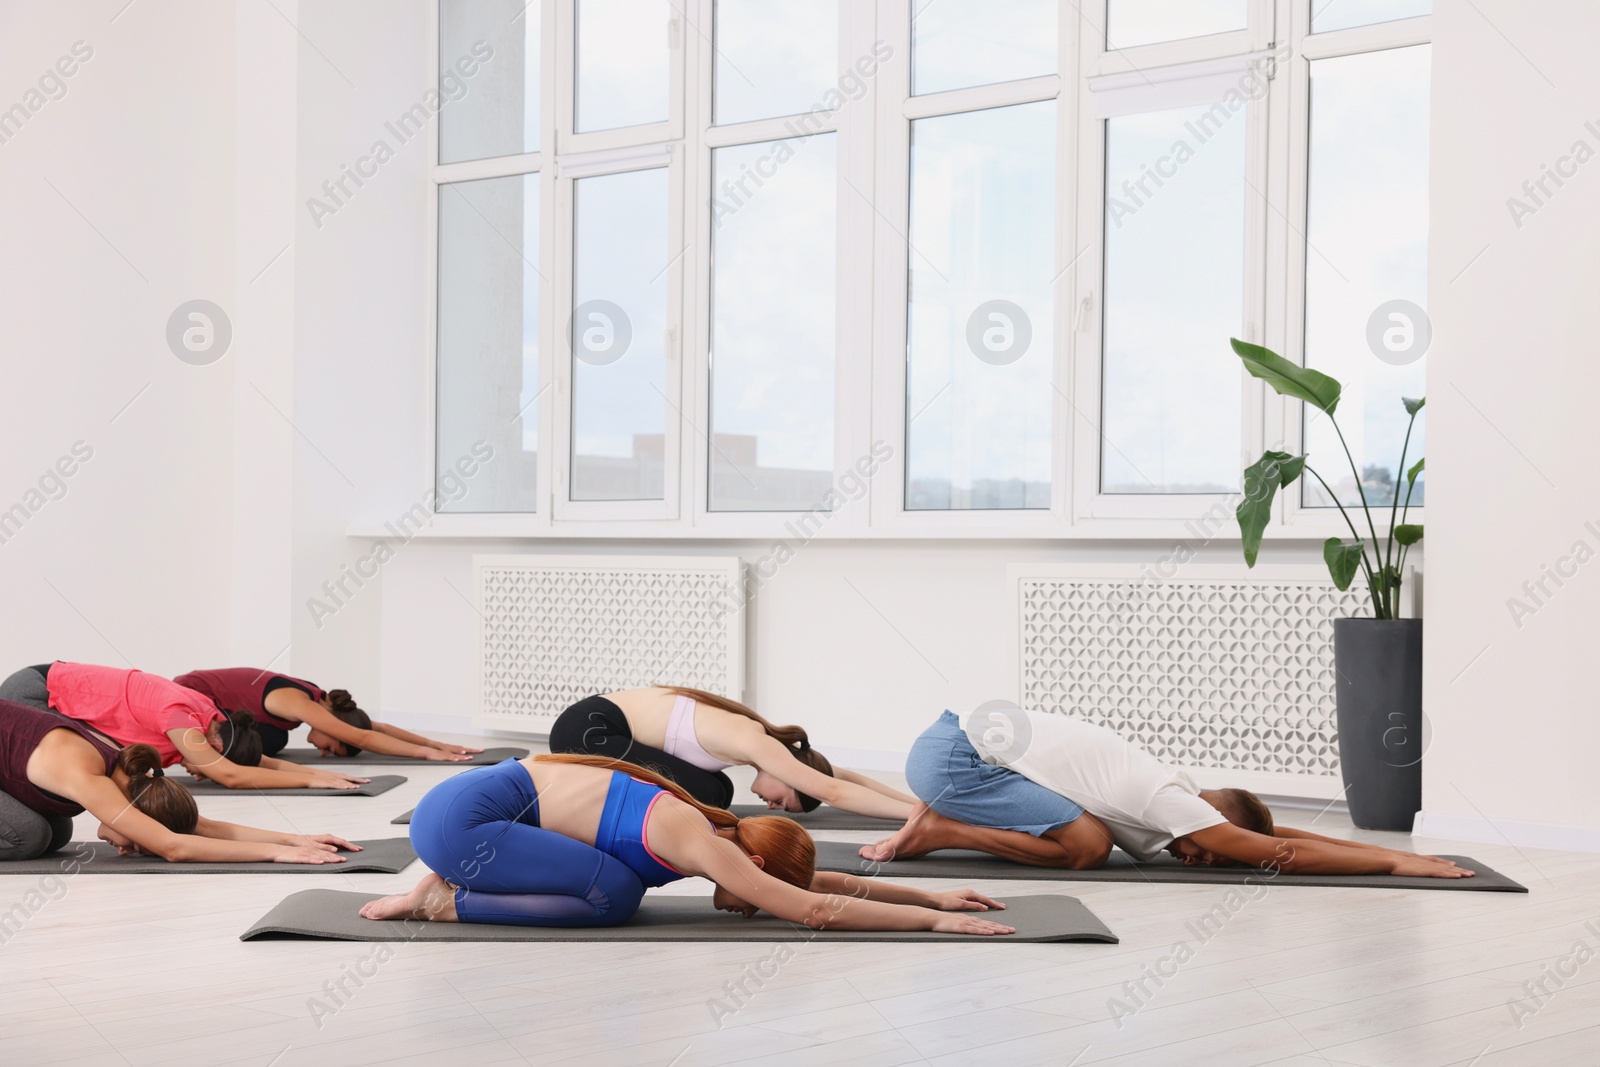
(594, 726)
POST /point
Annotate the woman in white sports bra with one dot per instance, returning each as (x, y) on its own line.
(691, 736)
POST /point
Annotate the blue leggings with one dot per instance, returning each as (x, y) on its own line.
(480, 832)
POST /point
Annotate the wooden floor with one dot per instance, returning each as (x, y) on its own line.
(149, 970)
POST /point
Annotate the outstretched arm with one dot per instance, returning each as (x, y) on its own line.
(105, 802)
(866, 782)
(227, 831)
(777, 759)
(418, 739)
(837, 883)
(1298, 855)
(1306, 835)
(698, 851)
(293, 704)
(199, 757)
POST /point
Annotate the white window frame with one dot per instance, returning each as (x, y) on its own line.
(872, 136)
(1285, 420)
(852, 127)
(1201, 81)
(897, 109)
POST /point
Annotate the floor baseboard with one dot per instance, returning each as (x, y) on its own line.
(1522, 833)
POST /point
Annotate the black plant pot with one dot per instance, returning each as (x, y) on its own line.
(1378, 691)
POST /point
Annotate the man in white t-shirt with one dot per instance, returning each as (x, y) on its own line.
(1054, 791)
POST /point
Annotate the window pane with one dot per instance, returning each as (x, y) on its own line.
(957, 43)
(623, 63)
(489, 78)
(772, 325)
(488, 343)
(619, 329)
(1342, 14)
(1367, 238)
(981, 329)
(774, 57)
(1131, 23)
(1174, 294)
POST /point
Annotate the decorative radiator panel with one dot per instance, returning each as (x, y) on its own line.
(1209, 670)
(556, 629)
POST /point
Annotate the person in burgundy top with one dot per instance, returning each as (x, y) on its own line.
(279, 703)
(133, 707)
(53, 768)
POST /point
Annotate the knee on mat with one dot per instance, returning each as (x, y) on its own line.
(1093, 855)
(1087, 844)
(615, 895)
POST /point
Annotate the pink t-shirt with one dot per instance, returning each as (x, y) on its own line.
(129, 706)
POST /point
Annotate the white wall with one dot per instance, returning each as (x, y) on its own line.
(1512, 477)
(116, 205)
(206, 520)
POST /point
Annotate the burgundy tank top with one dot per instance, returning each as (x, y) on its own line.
(245, 689)
(21, 729)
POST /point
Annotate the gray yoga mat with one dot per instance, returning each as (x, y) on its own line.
(391, 855)
(309, 757)
(333, 915)
(821, 819)
(380, 783)
(976, 866)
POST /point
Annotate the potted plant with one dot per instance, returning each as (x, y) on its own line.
(1378, 660)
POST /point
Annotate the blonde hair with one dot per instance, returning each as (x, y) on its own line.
(786, 849)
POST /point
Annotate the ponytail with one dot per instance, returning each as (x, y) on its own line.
(344, 708)
(786, 849)
(153, 793)
(241, 743)
(794, 738)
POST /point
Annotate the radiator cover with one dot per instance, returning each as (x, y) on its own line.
(555, 629)
(1218, 669)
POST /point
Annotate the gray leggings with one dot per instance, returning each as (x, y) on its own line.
(26, 835)
(27, 686)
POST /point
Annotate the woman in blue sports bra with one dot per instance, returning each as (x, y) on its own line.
(571, 840)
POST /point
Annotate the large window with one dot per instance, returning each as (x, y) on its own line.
(1367, 263)
(901, 268)
(982, 241)
(1174, 284)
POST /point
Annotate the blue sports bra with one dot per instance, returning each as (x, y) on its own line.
(622, 828)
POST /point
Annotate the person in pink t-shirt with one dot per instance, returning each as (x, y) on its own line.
(133, 707)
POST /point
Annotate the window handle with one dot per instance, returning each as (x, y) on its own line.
(1085, 310)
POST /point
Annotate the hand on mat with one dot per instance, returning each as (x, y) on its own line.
(329, 843)
(1409, 864)
(458, 750)
(307, 854)
(439, 755)
(963, 900)
(967, 924)
(330, 780)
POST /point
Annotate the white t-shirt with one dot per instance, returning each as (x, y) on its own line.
(1143, 802)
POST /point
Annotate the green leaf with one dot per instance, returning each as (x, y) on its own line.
(1411, 475)
(1413, 406)
(1289, 379)
(1262, 480)
(1344, 559)
(1408, 534)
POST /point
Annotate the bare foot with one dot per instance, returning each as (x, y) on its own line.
(432, 899)
(920, 835)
